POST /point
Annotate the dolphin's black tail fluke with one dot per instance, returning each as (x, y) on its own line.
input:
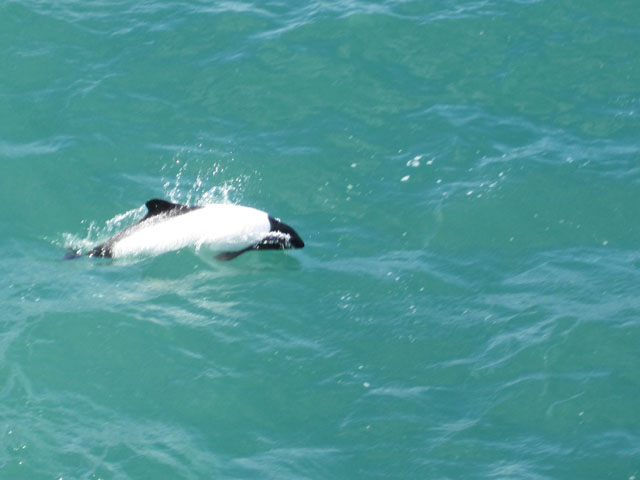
(72, 254)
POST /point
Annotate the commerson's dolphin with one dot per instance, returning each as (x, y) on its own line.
(227, 229)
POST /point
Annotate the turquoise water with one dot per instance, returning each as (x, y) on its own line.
(466, 177)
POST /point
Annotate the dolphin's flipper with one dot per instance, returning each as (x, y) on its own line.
(226, 256)
(162, 207)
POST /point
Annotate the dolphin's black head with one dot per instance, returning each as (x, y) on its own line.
(294, 240)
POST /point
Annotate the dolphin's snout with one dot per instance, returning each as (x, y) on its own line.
(294, 239)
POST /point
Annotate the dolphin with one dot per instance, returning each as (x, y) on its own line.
(228, 229)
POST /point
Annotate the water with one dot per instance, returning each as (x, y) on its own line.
(465, 176)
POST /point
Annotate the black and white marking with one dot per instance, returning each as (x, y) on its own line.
(227, 229)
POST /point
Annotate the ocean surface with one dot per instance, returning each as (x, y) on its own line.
(466, 177)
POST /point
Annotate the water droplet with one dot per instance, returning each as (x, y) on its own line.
(414, 162)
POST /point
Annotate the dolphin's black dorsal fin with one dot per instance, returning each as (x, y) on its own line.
(162, 207)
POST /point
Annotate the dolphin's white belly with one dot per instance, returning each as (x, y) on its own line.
(220, 227)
